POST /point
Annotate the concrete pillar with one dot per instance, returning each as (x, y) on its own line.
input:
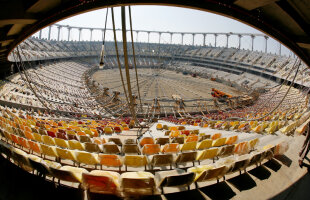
(58, 37)
(215, 36)
(193, 41)
(80, 33)
(239, 44)
(159, 37)
(148, 37)
(40, 34)
(49, 32)
(171, 37)
(182, 38)
(227, 40)
(204, 39)
(91, 34)
(266, 38)
(252, 47)
(137, 37)
(69, 33)
(280, 48)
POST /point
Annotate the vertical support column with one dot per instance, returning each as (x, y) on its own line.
(137, 38)
(193, 41)
(215, 36)
(171, 37)
(266, 38)
(49, 32)
(227, 40)
(159, 34)
(280, 48)
(252, 47)
(148, 37)
(182, 34)
(204, 39)
(58, 37)
(239, 44)
(40, 34)
(91, 34)
(80, 33)
(69, 33)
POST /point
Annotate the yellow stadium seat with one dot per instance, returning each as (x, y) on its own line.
(49, 151)
(65, 154)
(73, 144)
(135, 161)
(86, 158)
(37, 137)
(61, 143)
(205, 144)
(207, 154)
(189, 146)
(253, 143)
(159, 127)
(219, 142)
(76, 172)
(48, 140)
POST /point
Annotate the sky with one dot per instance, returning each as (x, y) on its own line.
(164, 18)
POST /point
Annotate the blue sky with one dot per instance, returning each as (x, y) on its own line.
(173, 19)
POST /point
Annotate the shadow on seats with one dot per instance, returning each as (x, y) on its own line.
(273, 165)
(191, 194)
(218, 191)
(243, 182)
(284, 160)
(15, 179)
(260, 172)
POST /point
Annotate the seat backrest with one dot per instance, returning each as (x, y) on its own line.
(146, 140)
(214, 173)
(171, 148)
(205, 144)
(219, 142)
(110, 148)
(189, 146)
(86, 158)
(34, 147)
(207, 154)
(138, 182)
(150, 149)
(117, 141)
(192, 138)
(162, 141)
(92, 147)
(186, 157)
(131, 149)
(162, 160)
(231, 140)
(104, 182)
(110, 160)
(61, 135)
(48, 140)
(179, 180)
(61, 143)
(51, 134)
(216, 136)
(226, 150)
(74, 144)
(85, 138)
(48, 150)
(179, 140)
(135, 160)
(65, 154)
(72, 136)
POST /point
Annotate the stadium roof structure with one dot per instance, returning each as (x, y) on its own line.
(286, 20)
